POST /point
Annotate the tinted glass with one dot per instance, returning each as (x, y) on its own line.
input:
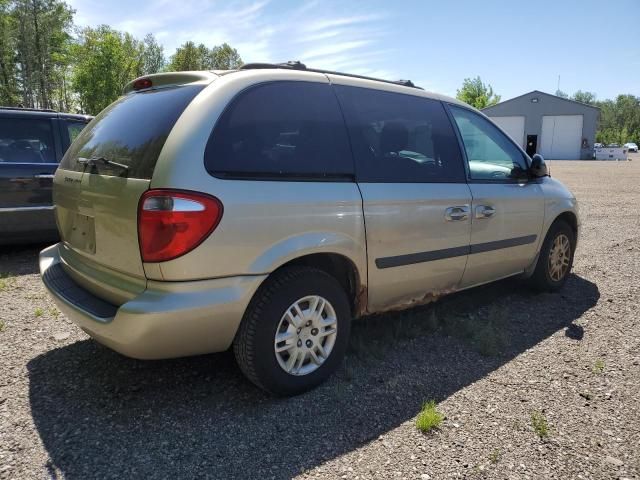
(131, 131)
(281, 129)
(490, 153)
(400, 138)
(74, 129)
(26, 141)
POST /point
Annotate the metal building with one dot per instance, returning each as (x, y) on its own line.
(555, 127)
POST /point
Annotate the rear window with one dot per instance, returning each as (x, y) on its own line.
(281, 130)
(131, 131)
(26, 141)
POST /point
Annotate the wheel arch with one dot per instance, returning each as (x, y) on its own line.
(340, 267)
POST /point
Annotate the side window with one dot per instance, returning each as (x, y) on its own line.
(491, 155)
(74, 129)
(26, 141)
(400, 138)
(281, 129)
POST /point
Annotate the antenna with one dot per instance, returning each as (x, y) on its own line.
(558, 89)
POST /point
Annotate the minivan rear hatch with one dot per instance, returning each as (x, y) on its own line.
(102, 177)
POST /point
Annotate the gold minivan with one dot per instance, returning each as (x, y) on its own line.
(264, 208)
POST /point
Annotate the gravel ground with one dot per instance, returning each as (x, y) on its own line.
(490, 358)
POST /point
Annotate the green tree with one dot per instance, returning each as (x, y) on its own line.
(477, 94)
(561, 94)
(224, 57)
(42, 39)
(619, 120)
(105, 61)
(191, 57)
(187, 57)
(585, 97)
(153, 60)
(9, 93)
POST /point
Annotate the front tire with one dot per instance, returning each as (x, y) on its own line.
(295, 331)
(556, 258)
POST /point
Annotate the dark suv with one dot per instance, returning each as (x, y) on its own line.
(32, 143)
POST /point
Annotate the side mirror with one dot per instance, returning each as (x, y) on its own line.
(538, 167)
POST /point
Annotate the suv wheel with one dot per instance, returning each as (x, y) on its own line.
(556, 258)
(295, 331)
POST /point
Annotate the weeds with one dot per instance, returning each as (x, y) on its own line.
(2, 325)
(54, 312)
(6, 280)
(494, 457)
(429, 417)
(38, 312)
(540, 425)
(598, 367)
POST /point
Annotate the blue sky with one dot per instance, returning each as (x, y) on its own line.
(515, 46)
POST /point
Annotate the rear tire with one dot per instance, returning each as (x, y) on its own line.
(555, 259)
(309, 310)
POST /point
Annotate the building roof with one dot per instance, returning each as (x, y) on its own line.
(555, 97)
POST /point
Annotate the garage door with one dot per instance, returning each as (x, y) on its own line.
(561, 137)
(514, 126)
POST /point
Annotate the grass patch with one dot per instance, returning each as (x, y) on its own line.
(540, 424)
(6, 280)
(429, 417)
(54, 312)
(2, 325)
(494, 457)
(38, 312)
(598, 367)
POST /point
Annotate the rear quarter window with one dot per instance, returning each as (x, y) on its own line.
(26, 140)
(281, 130)
(131, 131)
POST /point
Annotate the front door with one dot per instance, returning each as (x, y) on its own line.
(415, 199)
(507, 207)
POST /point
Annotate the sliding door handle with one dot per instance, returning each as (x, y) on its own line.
(456, 214)
(485, 211)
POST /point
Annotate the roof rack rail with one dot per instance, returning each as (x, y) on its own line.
(297, 65)
(27, 109)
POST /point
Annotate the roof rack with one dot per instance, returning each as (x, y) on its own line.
(29, 109)
(297, 65)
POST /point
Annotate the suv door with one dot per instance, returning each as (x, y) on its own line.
(507, 207)
(416, 201)
(29, 152)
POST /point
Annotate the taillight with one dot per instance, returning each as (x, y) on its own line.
(173, 222)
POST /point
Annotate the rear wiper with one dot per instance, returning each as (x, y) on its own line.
(95, 160)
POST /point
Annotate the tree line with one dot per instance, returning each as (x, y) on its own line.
(46, 61)
(619, 118)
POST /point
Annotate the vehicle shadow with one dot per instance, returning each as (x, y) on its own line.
(101, 415)
(20, 259)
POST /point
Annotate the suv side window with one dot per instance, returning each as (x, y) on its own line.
(26, 141)
(400, 138)
(283, 129)
(491, 155)
(74, 129)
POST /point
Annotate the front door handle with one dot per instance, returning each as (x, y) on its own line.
(43, 175)
(485, 211)
(455, 214)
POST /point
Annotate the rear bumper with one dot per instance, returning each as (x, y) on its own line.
(168, 319)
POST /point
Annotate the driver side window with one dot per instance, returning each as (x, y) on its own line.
(490, 154)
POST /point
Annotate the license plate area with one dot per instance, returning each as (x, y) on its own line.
(81, 232)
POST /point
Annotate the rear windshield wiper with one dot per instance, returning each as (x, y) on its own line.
(93, 161)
